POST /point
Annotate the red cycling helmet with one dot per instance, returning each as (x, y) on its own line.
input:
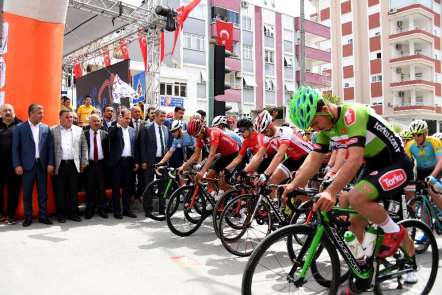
(194, 127)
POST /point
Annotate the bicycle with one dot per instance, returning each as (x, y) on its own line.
(158, 191)
(277, 265)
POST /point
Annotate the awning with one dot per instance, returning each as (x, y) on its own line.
(288, 61)
(270, 85)
(202, 80)
(289, 86)
(249, 81)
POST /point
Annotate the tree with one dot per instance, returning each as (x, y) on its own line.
(332, 98)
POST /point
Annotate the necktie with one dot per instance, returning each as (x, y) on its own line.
(95, 147)
(161, 139)
(137, 126)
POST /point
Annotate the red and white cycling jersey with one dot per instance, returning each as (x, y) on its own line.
(254, 142)
(297, 147)
(226, 144)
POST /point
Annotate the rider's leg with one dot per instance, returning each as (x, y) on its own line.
(436, 198)
(211, 174)
(358, 225)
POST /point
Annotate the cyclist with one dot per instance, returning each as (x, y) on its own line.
(387, 170)
(287, 142)
(181, 142)
(438, 136)
(219, 143)
(406, 136)
(427, 152)
(221, 123)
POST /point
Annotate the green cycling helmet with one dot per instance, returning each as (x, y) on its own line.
(303, 106)
(406, 134)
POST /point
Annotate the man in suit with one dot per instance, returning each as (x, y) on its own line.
(98, 151)
(150, 116)
(8, 178)
(70, 149)
(108, 115)
(137, 181)
(155, 141)
(33, 157)
(178, 115)
(122, 161)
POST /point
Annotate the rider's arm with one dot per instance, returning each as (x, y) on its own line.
(210, 158)
(332, 160)
(279, 157)
(308, 169)
(438, 167)
(340, 155)
(166, 157)
(194, 158)
(256, 160)
(235, 162)
(349, 170)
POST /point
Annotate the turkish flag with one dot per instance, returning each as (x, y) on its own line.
(224, 34)
(78, 72)
(182, 14)
(143, 47)
(106, 57)
(123, 49)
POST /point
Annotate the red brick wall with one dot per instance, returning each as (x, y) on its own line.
(376, 89)
(325, 14)
(375, 66)
(345, 7)
(346, 28)
(375, 43)
(374, 21)
(372, 2)
(348, 71)
(347, 50)
(349, 93)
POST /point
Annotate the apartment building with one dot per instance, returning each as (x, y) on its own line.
(387, 53)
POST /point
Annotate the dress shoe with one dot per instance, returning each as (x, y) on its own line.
(88, 215)
(27, 222)
(61, 219)
(148, 214)
(11, 221)
(129, 214)
(45, 220)
(118, 216)
(103, 214)
(75, 218)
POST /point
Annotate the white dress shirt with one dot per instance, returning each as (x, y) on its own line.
(36, 135)
(158, 138)
(127, 147)
(137, 124)
(67, 144)
(91, 141)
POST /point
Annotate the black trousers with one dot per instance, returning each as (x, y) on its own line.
(137, 183)
(121, 176)
(66, 184)
(96, 192)
(38, 174)
(12, 182)
(149, 176)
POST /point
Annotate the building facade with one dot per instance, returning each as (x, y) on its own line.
(387, 53)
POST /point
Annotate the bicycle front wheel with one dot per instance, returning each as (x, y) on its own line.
(156, 198)
(271, 270)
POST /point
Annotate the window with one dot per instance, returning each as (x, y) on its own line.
(270, 85)
(197, 12)
(346, 85)
(247, 52)
(173, 89)
(377, 78)
(378, 55)
(194, 42)
(269, 30)
(246, 23)
(350, 41)
(288, 35)
(269, 56)
(236, 49)
(201, 90)
(225, 15)
(288, 61)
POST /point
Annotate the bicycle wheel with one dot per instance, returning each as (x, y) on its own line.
(270, 268)
(182, 219)
(393, 270)
(155, 195)
(239, 232)
(219, 208)
(422, 212)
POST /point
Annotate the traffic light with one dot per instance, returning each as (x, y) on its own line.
(220, 70)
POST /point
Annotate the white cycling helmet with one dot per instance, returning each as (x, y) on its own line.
(438, 135)
(262, 121)
(176, 124)
(418, 127)
(218, 120)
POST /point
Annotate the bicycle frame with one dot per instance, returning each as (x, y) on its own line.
(433, 214)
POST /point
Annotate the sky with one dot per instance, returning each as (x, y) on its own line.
(291, 7)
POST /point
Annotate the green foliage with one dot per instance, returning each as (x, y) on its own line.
(332, 98)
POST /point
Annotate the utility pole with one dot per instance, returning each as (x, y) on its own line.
(302, 44)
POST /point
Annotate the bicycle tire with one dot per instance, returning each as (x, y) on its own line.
(177, 204)
(420, 211)
(412, 224)
(221, 203)
(273, 238)
(232, 243)
(152, 191)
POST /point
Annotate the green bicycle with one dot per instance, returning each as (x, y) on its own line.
(282, 264)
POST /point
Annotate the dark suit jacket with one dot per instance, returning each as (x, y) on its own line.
(23, 146)
(117, 144)
(104, 136)
(148, 143)
(105, 128)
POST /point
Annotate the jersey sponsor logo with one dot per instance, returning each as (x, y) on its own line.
(393, 179)
(389, 135)
(374, 173)
(352, 141)
(350, 117)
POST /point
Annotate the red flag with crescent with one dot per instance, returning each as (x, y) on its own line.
(78, 72)
(224, 34)
(123, 48)
(182, 14)
(106, 57)
(143, 47)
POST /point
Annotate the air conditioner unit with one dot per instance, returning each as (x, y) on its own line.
(346, 85)
(244, 4)
(393, 10)
(401, 94)
(398, 46)
(398, 70)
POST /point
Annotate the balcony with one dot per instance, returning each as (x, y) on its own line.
(413, 99)
(234, 64)
(413, 17)
(415, 33)
(414, 59)
(230, 95)
(313, 28)
(413, 108)
(413, 83)
(318, 55)
(227, 4)
(315, 79)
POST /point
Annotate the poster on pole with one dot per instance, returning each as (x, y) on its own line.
(138, 83)
(99, 85)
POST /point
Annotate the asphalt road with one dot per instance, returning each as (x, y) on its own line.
(108, 256)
